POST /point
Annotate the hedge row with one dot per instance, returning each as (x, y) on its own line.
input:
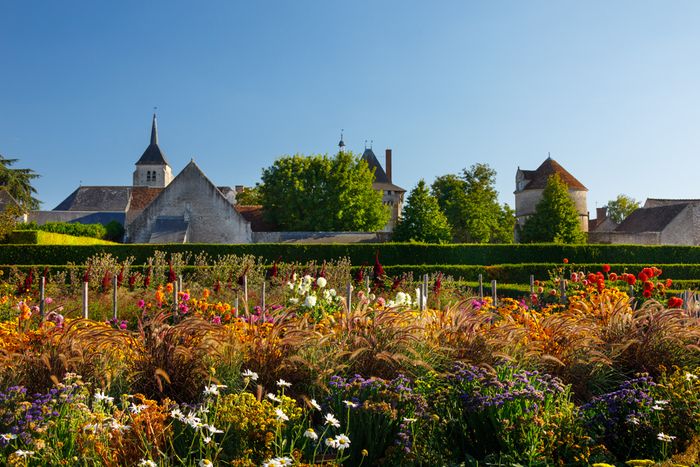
(35, 237)
(389, 253)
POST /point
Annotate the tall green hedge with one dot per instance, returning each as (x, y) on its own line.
(389, 253)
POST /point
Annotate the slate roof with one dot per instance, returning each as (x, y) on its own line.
(538, 178)
(650, 219)
(153, 155)
(655, 202)
(381, 180)
(96, 198)
(169, 229)
(81, 217)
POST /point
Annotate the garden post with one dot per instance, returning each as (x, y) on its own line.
(425, 292)
(631, 291)
(262, 299)
(245, 288)
(85, 300)
(235, 306)
(420, 297)
(481, 287)
(179, 283)
(114, 297)
(494, 295)
(367, 285)
(532, 284)
(562, 289)
(348, 293)
(42, 297)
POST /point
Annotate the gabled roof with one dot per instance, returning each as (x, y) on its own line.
(538, 178)
(169, 229)
(650, 219)
(655, 202)
(381, 180)
(96, 198)
(153, 155)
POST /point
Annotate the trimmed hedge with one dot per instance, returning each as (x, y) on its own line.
(389, 253)
(36, 237)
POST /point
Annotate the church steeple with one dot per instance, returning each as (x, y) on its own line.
(152, 169)
(154, 131)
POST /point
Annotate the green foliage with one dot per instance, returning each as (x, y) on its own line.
(321, 193)
(621, 207)
(555, 218)
(470, 203)
(422, 220)
(37, 237)
(72, 228)
(249, 196)
(114, 231)
(18, 183)
(8, 220)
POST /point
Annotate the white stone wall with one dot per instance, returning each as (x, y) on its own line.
(163, 175)
(526, 202)
(395, 203)
(682, 229)
(212, 218)
(624, 238)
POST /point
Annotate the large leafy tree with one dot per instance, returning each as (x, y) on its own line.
(18, 183)
(555, 218)
(470, 202)
(422, 219)
(321, 193)
(621, 207)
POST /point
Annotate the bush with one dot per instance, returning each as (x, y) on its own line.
(71, 228)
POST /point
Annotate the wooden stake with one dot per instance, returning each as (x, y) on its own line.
(481, 287)
(114, 297)
(494, 295)
(85, 300)
(348, 298)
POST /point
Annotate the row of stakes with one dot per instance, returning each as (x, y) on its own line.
(422, 294)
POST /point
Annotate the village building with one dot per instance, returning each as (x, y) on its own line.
(529, 185)
(658, 222)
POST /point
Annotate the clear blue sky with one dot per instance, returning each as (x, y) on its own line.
(611, 89)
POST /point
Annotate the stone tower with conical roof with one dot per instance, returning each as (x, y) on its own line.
(152, 169)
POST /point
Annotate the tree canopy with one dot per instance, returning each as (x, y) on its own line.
(321, 193)
(555, 218)
(621, 207)
(470, 203)
(18, 183)
(249, 196)
(422, 219)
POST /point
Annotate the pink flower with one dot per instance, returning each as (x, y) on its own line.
(381, 301)
(122, 325)
(48, 300)
(216, 320)
(142, 303)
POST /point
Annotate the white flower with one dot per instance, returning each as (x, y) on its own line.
(342, 442)
(311, 434)
(331, 420)
(283, 384)
(284, 461)
(20, 453)
(8, 436)
(273, 398)
(271, 463)
(205, 463)
(212, 429)
(147, 463)
(310, 301)
(281, 416)
(665, 438)
(690, 376)
(321, 282)
(661, 402)
(206, 439)
(253, 376)
(290, 286)
(136, 409)
(633, 420)
(101, 397)
(314, 404)
(213, 389)
(91, 428)
(331, 442)
(192, 420)
(350, 404)
(116, 426)
(409, 420)
(293, 301)
(177, 414)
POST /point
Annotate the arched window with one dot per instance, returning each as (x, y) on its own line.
(153, 176)
(148, 175)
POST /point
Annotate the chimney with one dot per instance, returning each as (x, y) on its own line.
(601, 213)
(387, 166)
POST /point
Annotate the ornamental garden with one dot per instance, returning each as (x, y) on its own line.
(349, 356)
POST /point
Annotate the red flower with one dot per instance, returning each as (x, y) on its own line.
(613, 276)
(669, 283)
(643, 276)
(631, 280)
(648, 285)
(646, 293)
(566, 260)
(675, 302)
(606, 268)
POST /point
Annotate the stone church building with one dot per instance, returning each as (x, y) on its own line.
(160, 207)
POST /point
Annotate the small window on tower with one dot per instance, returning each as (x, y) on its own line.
(148, 176)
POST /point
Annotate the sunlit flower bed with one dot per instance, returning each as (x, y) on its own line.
(607, 375)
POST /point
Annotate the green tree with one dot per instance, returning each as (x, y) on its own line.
(249, 196)
(321, 193)
(18, 183)
(470, 202)
(621, 207)
(555, 218)
(422, 219)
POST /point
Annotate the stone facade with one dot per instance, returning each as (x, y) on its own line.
(529, 185)
(199, 206)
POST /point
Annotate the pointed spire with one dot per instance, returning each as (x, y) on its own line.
(154, 131)
(341, 144)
